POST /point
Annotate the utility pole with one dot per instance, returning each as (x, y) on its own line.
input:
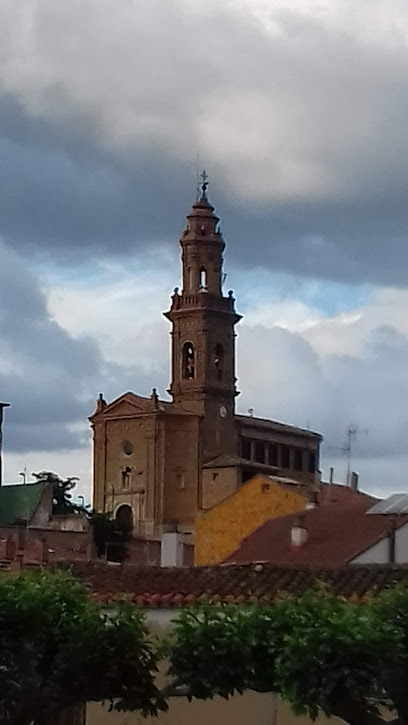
(2, 406)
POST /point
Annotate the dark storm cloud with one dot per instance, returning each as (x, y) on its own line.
(63, 195)
(50, 378)
(303, 131)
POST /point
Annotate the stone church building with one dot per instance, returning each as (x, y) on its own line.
(158, 463)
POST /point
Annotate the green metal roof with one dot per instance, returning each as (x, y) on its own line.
(19, 501)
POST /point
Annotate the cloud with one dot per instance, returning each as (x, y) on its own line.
(295, 362)
(50, 376)
(103, 107)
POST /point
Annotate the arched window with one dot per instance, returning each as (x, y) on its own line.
(219, 361)
(188, 361)
(203, 278)
(124, 519)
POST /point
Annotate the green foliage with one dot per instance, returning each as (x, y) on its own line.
(61, 498)
(321, 653)
(58, 648)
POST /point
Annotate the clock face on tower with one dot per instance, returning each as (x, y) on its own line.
(223, 411)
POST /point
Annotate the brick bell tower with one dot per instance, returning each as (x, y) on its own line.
(203, 337)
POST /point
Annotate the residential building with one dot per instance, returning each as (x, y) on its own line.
(329, 536)
(220, 531)
(31, 533)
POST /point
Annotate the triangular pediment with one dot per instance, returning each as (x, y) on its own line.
(127, 405)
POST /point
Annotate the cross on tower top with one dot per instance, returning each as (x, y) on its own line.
(204, 185)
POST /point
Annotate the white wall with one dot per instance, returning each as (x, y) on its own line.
(380, 552)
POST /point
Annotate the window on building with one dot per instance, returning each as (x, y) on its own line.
(219, 361)
(273, 454)
(298, 459)
(311, 463)
(285, 457)
(188, 362)
(127, 448)
(126, 477)
(180, 482)
(203, 278)
(246, 449)
(260, 451)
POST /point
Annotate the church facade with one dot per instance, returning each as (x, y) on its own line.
(158, 464)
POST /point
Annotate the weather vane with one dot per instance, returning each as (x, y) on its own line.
(204, 185)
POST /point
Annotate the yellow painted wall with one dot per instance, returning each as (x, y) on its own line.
(251, 708)
(220, 530)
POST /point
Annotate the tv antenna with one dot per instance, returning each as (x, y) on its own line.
(352, 432)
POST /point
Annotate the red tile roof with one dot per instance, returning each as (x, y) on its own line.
(174, 587)
(336, 533)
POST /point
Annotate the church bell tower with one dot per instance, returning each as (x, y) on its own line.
(203, 337)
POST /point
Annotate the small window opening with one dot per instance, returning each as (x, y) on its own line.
(298, 462)
(180, 481)
(246, 449)
(285, 457)
(203, 278)
(312, 462)
(246, 475)
(260, 451)
(215, 476)
(273, 454)
(188, 361)
(219, 361)
(126, 477)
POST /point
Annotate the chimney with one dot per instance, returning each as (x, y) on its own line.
(172, 549)
(331, 474)
(298, 532)
(391, 541)
(312, 499)
(354, 481)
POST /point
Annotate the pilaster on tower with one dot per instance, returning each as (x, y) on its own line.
(203, 319)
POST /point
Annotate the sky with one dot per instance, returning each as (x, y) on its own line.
(298, 111)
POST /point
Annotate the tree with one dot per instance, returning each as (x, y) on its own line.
(107, 535)
(61, 497)
(59, 649)
(321, 653)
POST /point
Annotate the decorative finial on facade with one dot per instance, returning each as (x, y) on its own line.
(154, 396)
(204, 185)
(100, 403)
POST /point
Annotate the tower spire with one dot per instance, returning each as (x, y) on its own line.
(203, 321)
(204, 185)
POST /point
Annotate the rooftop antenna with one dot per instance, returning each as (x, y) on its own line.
(352, 432)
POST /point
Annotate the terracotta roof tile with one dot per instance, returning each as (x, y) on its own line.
(234, 583)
